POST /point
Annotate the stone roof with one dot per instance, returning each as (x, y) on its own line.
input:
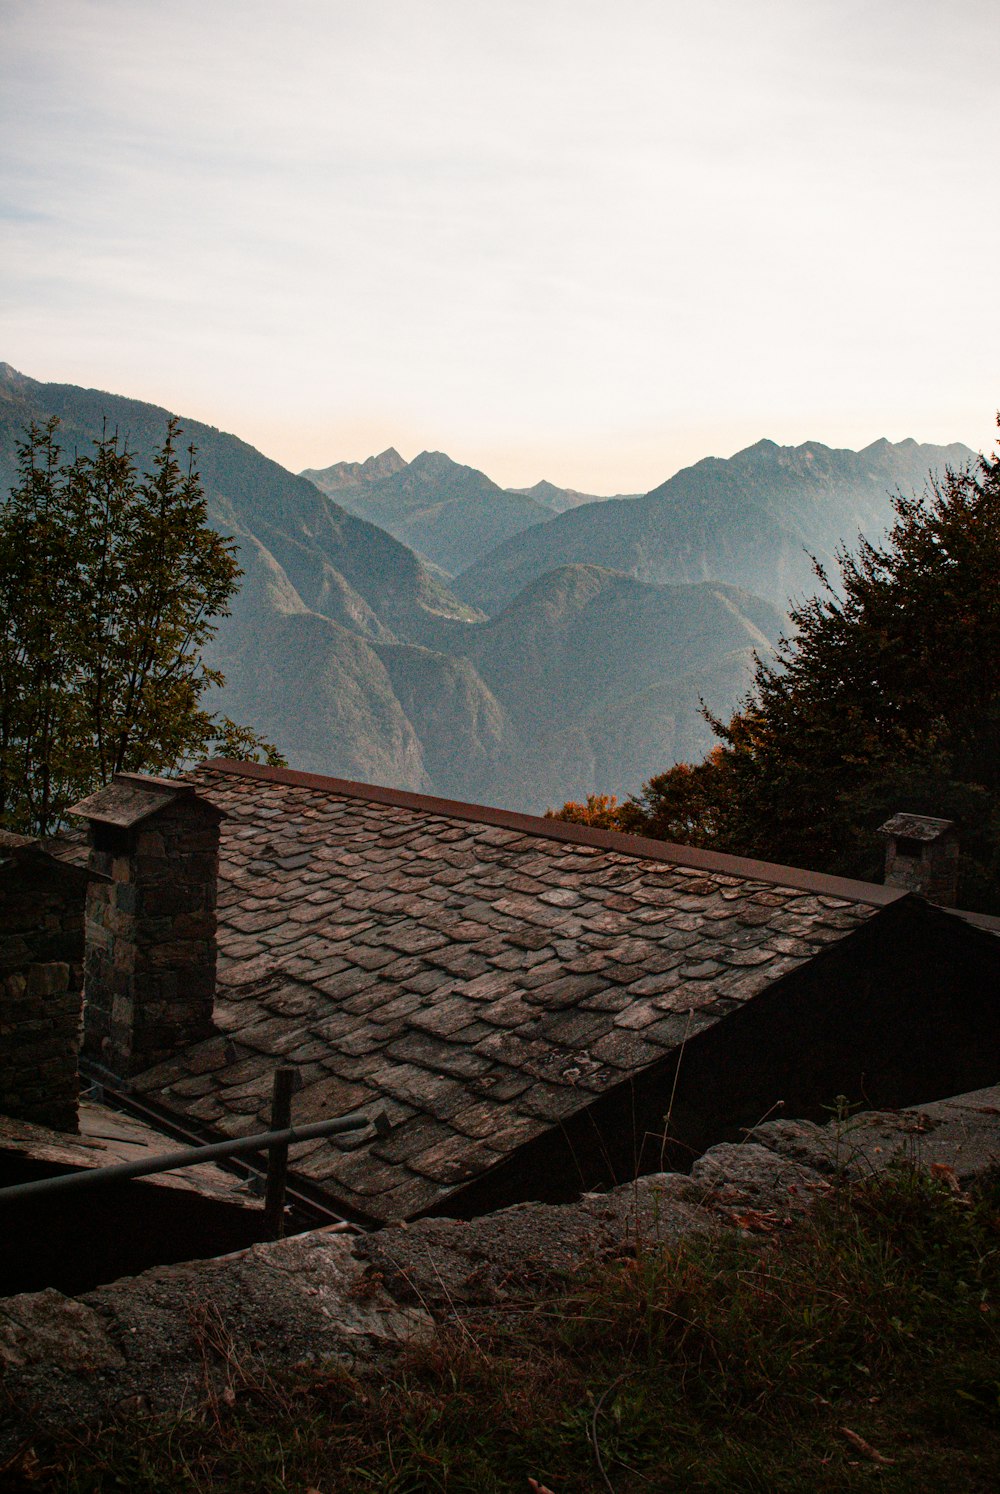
(480, 975)
(18, 851)
(131, 798)
(916, 827)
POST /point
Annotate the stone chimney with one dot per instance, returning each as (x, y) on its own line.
(41, 980)
(149, 970)
(921, 854)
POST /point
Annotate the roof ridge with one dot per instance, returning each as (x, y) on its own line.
(874, 894)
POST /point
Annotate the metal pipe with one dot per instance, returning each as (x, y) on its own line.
(309, 1199)
(190, 1156)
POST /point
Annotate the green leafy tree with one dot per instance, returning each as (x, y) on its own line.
(885, 697)
(111, 584)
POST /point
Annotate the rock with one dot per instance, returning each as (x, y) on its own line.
(962, 1133)
(48, 1328)
(175, 1334)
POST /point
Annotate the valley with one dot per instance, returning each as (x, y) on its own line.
(507, 648)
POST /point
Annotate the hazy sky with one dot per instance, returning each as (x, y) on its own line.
(585, 241)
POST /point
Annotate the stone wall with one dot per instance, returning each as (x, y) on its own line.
(41, 983)
(151, 956)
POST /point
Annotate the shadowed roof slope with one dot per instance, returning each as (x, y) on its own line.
(483, 975)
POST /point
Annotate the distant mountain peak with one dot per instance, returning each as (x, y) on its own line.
(388, 460)
(11, 375)
(434, 464)
(343, 475)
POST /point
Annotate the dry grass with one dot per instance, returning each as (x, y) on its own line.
(857, 1349)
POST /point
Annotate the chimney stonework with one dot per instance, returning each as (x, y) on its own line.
(151, 954)
(921, 854)
(41, 983)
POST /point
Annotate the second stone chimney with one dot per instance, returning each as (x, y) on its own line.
(921, 854)
(149, 966)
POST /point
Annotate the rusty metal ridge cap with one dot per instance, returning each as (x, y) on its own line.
(875, 894)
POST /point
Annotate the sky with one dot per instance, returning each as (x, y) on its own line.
(585, 240)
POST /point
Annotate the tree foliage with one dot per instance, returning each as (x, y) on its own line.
(885, 697)
(111, 582)
(600, 811)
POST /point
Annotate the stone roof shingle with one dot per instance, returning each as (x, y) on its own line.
(478, 980)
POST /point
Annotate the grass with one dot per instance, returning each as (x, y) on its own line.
(857, 1349)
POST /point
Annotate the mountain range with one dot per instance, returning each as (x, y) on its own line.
(568, 657)
(754, 520)
(449, 514)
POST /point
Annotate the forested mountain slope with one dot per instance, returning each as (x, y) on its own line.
(357, 660)
(451, 514)
(751, 521)
(560, 499)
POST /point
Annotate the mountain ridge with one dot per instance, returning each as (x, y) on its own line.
(448, 513)
(752, 520)
(351, 653)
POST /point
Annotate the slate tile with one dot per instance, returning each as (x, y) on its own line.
(740, 984)
(412, 939)
(700, 971)
(206, 1108)
(403, 968)
(328, 1098)
(534, 938)
(416, 1136)
(524, 908)
(453, 1160)
(511, 959)
(687, 997)
(565, 990)
(417, 1046)
(559, 897)
(756, 955)
(357, 1056)
(428, 981)
(640, 1014)
(784, 944)
(413, 1085)
(548, 1102)
(585, 964)
(671, 1031)
(362, 1040)
(508, 1011)
(264, 1034)
(249, 923)
(290, 1001)
(448, 1016)
(544, 971)
(610, 999)
(407, 1198)
(459, 962)
(653, 985)
(624, 1050)
(623, 975)
(346, 984)
(490, 986)
(371, 959)
(574, 1028)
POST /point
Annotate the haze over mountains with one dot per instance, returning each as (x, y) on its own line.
(570, 653)
(753, 520)
(450, 514)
